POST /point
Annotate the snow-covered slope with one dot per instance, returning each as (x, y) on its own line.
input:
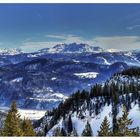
(124, 83)
(95, 121)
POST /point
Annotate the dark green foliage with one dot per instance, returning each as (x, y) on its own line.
(63, 132)
(132, 72)
(57, 132)
(70, 127)
(87, 131)
(27, 128)
(123, 125)
(104, 128)
(12, 124)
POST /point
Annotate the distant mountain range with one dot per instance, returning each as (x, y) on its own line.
(10, 51)
(72, 48)
(42, 79)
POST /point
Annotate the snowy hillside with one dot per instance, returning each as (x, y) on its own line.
(95, 121)
(103, 100)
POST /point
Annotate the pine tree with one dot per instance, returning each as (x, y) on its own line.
(70, 127)
(114, 117)
(136, 132)
(57, 132)
(74, 133)
(63, 132)
(104, 128)
(46, 128)
(87, 131)
(12, 124)
(123, 123)
(27, 128)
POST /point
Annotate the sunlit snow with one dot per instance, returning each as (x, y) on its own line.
(87, 75)
(27, 113)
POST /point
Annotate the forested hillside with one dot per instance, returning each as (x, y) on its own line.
(110, 102)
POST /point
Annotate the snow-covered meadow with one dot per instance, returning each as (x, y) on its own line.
(27, 113)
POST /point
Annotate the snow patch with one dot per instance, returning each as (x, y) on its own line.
(17, 79)
(105, 61)
(31, 114)
(53, 78)
(27, 113)
(87, 75)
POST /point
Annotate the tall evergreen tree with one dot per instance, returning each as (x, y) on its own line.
(87, 131)
(70, 127)
(27, 128)
(114, 116)
(12, 124)
(74, 133)
(104, 128)
(63, 132)
(57, 132)
(123, 125)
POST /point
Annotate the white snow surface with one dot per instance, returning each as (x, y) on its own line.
(17, 79)
(27, 113)
(79, 124)
(105, 61)
(88, 75)
(49, 97)
(32, 114)
(95, 121)
(53, 78)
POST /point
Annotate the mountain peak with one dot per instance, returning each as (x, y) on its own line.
(13, 51)
(72, 48)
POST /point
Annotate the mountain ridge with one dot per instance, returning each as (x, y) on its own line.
(41, 75)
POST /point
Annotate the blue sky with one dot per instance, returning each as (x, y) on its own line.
(35, 26)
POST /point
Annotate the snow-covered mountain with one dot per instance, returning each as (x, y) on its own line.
(86, 53)
(33, 79)
(72, 48)
(72, 52)
(13, 51)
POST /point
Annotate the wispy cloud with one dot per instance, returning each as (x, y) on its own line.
(133, 27)
(61, 36)
(119, 42)
(115, 42)
(30, 46)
